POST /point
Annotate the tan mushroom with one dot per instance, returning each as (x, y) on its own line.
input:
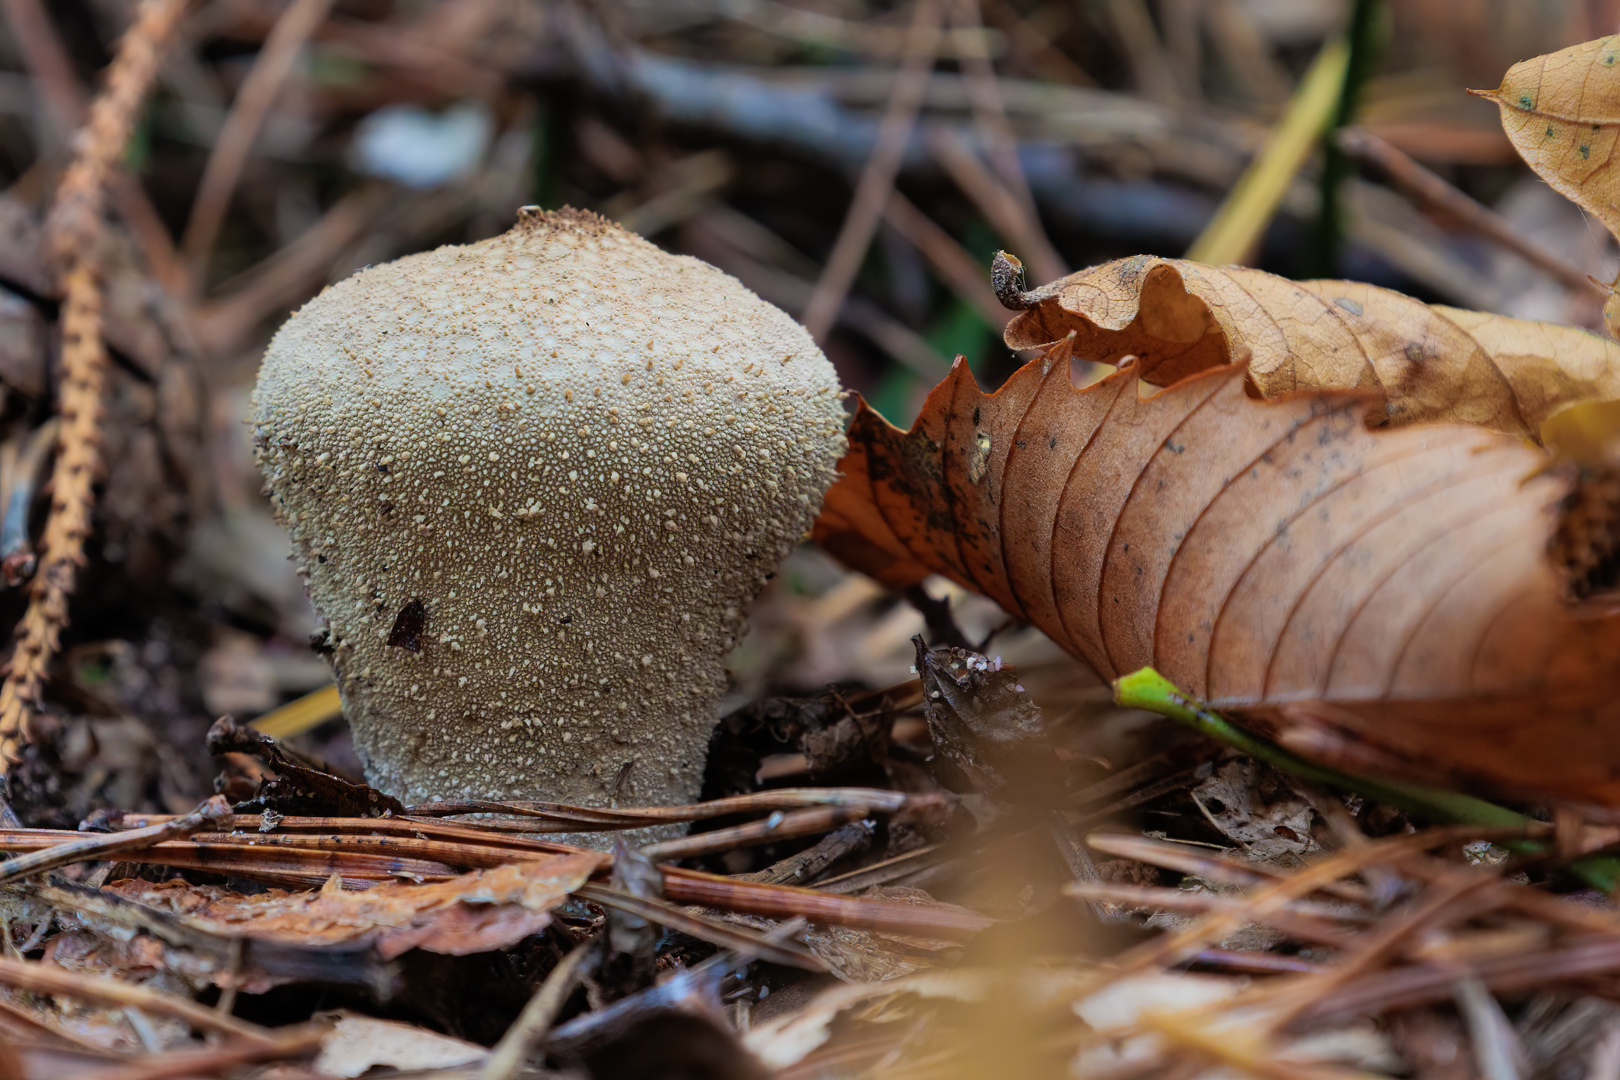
(534, 484)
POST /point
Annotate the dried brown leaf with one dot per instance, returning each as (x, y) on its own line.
(476, 912)
(987, 731)
(1262, 555)
(356, 1044)
(1430, 362)
(1562, 113)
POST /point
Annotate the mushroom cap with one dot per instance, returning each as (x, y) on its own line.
(534, 483)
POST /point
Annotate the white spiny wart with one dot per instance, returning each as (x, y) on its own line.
(534, 483)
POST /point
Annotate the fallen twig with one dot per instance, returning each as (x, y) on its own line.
(557, 817)
(1301, 919)
(99, 847)
(1436, 192)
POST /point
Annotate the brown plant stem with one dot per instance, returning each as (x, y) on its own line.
(1011, 216)
(75, 229)
(369, 850)
(739, 939)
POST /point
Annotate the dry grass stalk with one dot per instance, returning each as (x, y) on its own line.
(75, 229)
(877, 179)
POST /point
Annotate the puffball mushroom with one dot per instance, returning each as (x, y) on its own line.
(534, 484)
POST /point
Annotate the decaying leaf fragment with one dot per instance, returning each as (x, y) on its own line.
(987, 732)
(1278, 558)
(475, 912)
(356, 1044)
(1430, 362)
(1562, 113)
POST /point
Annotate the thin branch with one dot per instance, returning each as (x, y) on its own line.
(1009, 215)
(784, 901)
(210, 813)
(1151, 69)
(961, 273)
(557, 817)
(288, 1043)
(1437, 193)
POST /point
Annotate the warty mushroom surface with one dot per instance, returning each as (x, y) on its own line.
(534, 484)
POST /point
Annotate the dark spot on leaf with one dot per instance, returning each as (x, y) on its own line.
(1051, 443)
(1586, 151)
(1348, 304)
(975, 415)
(1414, 352)
(1526, 101)
(408, 626)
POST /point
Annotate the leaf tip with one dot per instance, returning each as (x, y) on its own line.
(1007, 279)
